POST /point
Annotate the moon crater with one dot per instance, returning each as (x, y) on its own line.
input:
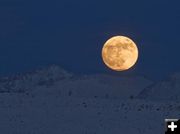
(120, 53)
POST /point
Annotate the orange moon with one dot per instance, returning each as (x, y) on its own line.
(120, 53)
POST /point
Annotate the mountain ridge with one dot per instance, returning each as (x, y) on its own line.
(166, 89)
(59, 79)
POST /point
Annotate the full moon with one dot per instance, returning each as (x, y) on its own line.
(120, 53)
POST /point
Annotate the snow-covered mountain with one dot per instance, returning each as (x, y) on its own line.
(87, 86)
(168, 89)
(25, 82)
(54, 101)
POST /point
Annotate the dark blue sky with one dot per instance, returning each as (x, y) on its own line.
(72, 33)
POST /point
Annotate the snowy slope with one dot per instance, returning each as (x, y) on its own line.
(103, 86)
(53, 101)
(25, 82)
(88, 86)
(168, 89)
(51, 114)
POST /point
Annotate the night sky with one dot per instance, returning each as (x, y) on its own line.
(71, 34)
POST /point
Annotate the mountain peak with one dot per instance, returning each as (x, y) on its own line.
(40, 77)
(168, 89)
